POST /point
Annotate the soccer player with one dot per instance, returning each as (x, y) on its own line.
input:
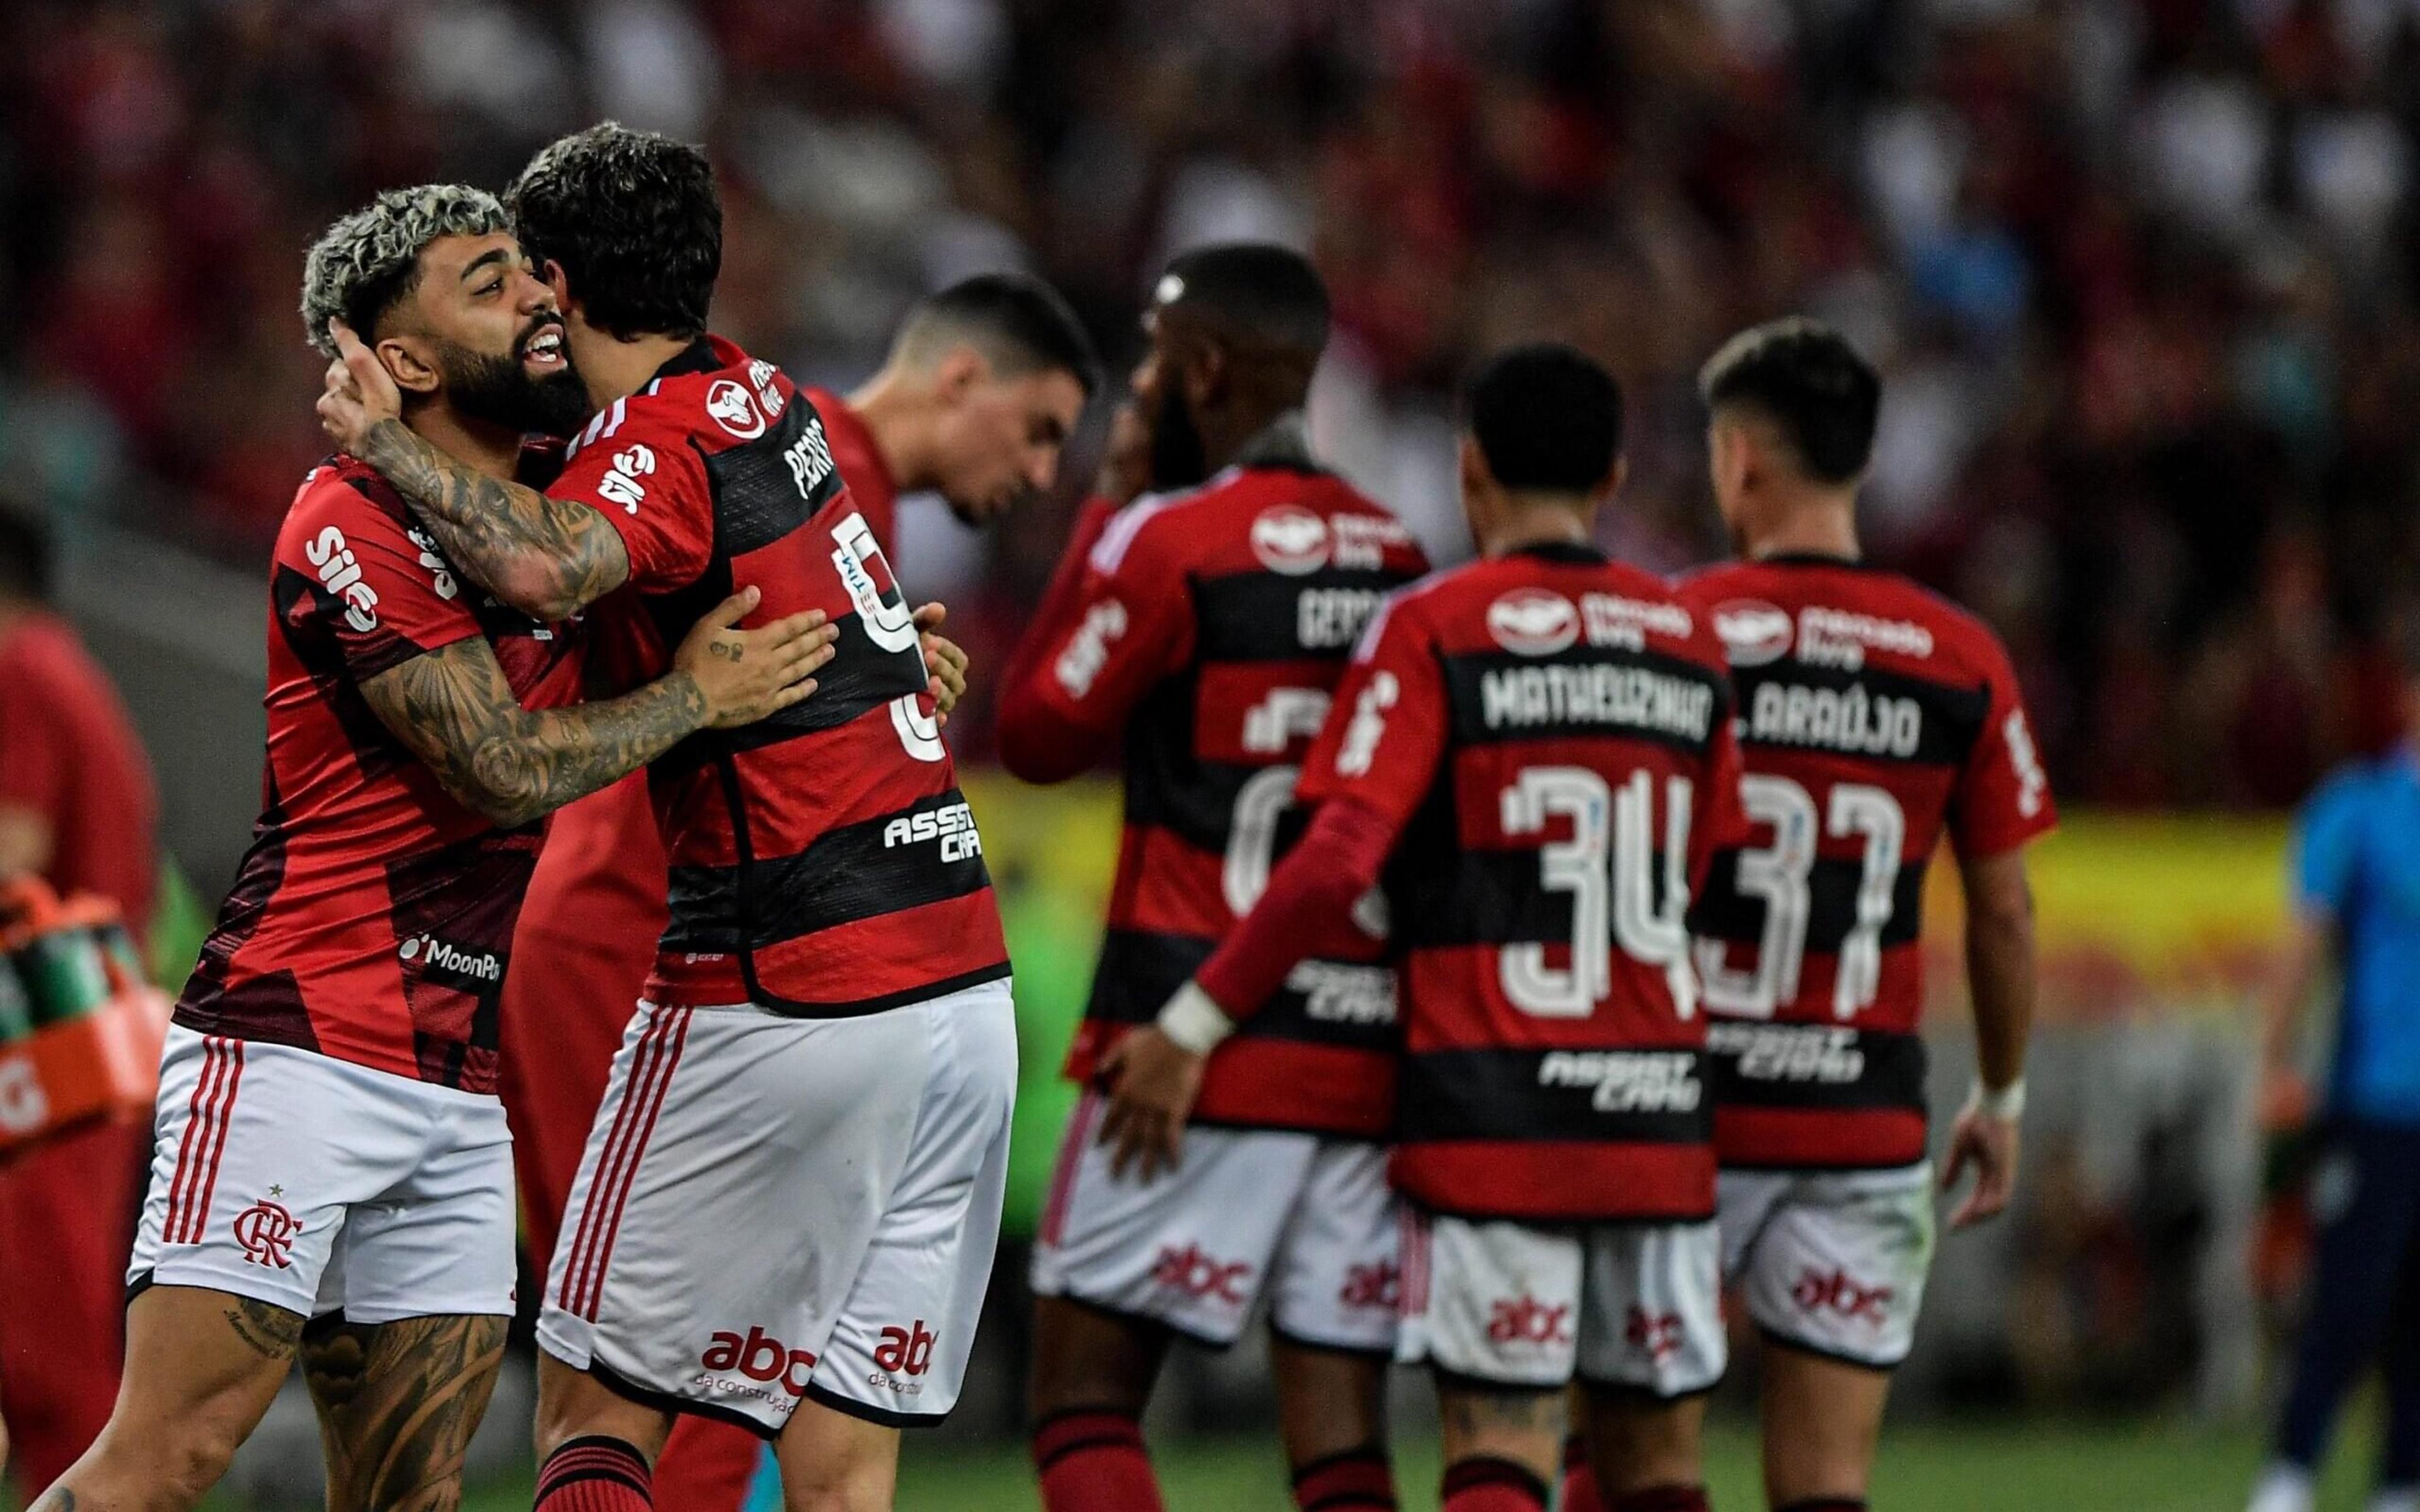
(983, 383)
(331, 1167)
(1536, 750)
(1199, 630)
(1875, 716)
(789, 1202)
(2356, 876)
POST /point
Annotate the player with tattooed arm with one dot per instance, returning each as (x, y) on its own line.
(791, 1195)
(332, 1173)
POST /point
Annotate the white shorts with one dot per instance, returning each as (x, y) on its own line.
(772, 1210)
(1306, 1221)
(1831, 1261)
(320, 1186)
(1637, 1306)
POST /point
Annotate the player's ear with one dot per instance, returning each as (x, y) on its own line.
(405, 366)
(960, 369)
(549, 272)
(1206, 374)
(1613, 481)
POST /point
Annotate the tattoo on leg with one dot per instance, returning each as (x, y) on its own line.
(58, 1500)
(397, 1404)
(270, 1331)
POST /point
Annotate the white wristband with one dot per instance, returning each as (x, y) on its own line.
(1194, 1021)
(2008, 1104)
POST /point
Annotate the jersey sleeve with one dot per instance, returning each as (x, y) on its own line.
(1127, 624)
(1721, 822)
(2327, 848)
(645, 478)
(1386, 731)
(377, 589)
(2003, 798)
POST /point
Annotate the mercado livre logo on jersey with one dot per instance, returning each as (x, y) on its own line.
(1534, 622)
(1289, 539)
(1753, 632)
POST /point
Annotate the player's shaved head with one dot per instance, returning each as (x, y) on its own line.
(1018, 322)
(368, 262)
(1260, 292)
(1547, 419)
(1806, 381)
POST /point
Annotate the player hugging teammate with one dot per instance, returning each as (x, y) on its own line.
(1500, 961)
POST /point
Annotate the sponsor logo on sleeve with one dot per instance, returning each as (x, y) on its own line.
(1289, 539)
(440, 573)
(734, 410)
(1534, 622)
(1088, 650)
(340, 573)
(620, 485)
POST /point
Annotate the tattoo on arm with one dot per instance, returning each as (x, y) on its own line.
(453, 708)
(272, 1331)
(548, 558)
(397, 1404)
(59, 1500)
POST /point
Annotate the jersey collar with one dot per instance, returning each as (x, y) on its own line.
(1283, 443)
(1563, 553)
(697, 357)
(1813, 559)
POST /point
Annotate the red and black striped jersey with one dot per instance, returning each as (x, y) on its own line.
(871, 487)
(372, 918)
(1551, 733)
(824, 862)
(1209, 628)
(1873, 716)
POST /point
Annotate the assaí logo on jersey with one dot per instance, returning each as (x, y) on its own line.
(1289, 539)
(340, 573)
(1753, 632)
(1534, 622)
(435, 956)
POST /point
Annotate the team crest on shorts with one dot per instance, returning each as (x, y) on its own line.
(266, 1230)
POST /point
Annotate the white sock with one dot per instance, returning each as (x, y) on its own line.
(2284, 1489)
(2395, 1498)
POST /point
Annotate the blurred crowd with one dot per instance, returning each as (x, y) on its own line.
(2136, 269)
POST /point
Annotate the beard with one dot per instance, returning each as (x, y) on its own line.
(1177, 459)
(500, 392)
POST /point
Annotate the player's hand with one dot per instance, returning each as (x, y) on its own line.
(945, 661)
(746, 674)
(1126, 464)
(1989, 1145)
(359, 394)
(1151, 1083)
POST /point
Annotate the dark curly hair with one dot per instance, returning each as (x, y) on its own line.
(634, 220)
